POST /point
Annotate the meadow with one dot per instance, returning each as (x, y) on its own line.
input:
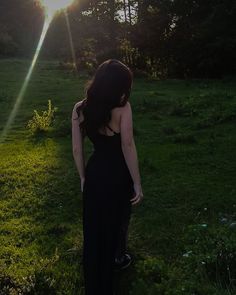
(183, 234)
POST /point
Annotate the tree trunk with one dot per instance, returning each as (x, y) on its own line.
(129, 10)
(125, 12)
(111, 7)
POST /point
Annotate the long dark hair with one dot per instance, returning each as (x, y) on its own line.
(109, 88)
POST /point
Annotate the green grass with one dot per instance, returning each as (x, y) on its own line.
(185, 137)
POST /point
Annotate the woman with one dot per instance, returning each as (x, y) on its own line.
(110, 182)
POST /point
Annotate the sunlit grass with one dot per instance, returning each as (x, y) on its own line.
(36, 215)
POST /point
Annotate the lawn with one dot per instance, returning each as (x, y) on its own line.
(183, 234)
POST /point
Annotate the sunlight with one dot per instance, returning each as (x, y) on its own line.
(25, 83)
(71, 41)
(51, 7)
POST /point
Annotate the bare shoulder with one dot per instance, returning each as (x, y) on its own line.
(77, 114)
(126, 110)
(77, 104)
(127, 106)
(123, 109)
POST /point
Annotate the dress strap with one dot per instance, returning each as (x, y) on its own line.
(111, 128)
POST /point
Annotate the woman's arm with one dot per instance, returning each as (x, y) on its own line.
(129, 150)
(78, 145)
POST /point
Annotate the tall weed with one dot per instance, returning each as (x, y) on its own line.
(42, 123)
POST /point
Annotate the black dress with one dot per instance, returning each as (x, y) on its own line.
(107, 191)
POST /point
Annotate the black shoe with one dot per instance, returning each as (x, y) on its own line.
(123, 262)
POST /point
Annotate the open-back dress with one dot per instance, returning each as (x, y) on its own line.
(107, 191)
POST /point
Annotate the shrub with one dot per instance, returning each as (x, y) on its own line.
(41, 123)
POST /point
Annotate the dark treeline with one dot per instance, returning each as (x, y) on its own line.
(167, 38)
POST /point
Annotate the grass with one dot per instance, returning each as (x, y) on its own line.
(182, 235)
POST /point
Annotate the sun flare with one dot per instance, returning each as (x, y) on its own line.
(52, 6)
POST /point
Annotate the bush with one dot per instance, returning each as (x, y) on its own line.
(41, 123)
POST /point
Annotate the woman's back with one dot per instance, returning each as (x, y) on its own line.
(114, 123)
(107, 185)
(107, 191)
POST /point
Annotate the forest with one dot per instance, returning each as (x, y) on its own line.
(161, 38)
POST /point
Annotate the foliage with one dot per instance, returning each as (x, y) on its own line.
(41, 123)
(171, 38)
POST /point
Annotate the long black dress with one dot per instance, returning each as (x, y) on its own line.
(108, 189)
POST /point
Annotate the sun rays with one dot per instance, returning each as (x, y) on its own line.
(50, 8)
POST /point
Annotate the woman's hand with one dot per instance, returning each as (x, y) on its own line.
(138, 194)
(82, 184)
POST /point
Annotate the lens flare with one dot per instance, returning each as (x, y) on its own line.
(72, 47)
(52, 6)
(25, 83)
